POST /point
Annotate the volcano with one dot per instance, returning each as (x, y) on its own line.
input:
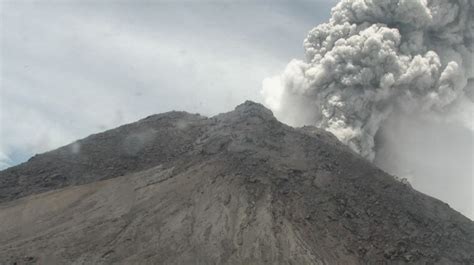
(236, 188)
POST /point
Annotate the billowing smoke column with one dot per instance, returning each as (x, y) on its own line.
(374, 58)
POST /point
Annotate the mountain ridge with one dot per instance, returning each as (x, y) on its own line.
(236, 188)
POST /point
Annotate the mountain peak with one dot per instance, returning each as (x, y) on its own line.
(250, 109)
(250, 106)
(248, 112)
(236, 188)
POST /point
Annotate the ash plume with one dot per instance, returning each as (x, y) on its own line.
(375, 60)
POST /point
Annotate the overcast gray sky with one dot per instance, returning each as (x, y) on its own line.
(72, 68)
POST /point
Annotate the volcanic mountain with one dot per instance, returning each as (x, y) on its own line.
(236, 188)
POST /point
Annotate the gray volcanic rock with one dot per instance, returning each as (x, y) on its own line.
(237, 188)
(152, 141)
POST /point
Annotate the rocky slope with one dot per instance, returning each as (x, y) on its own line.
(237, 188)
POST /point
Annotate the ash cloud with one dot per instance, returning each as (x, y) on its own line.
(380, 73)
(374, 58)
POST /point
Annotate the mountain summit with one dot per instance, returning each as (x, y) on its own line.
(236, 188)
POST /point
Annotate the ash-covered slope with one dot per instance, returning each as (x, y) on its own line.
(133, 147)
(237, 188)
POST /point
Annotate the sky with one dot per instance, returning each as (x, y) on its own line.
(72, 68)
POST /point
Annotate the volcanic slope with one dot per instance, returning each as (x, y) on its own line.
(236, 188)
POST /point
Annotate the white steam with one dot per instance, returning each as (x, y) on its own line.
(375, 58)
